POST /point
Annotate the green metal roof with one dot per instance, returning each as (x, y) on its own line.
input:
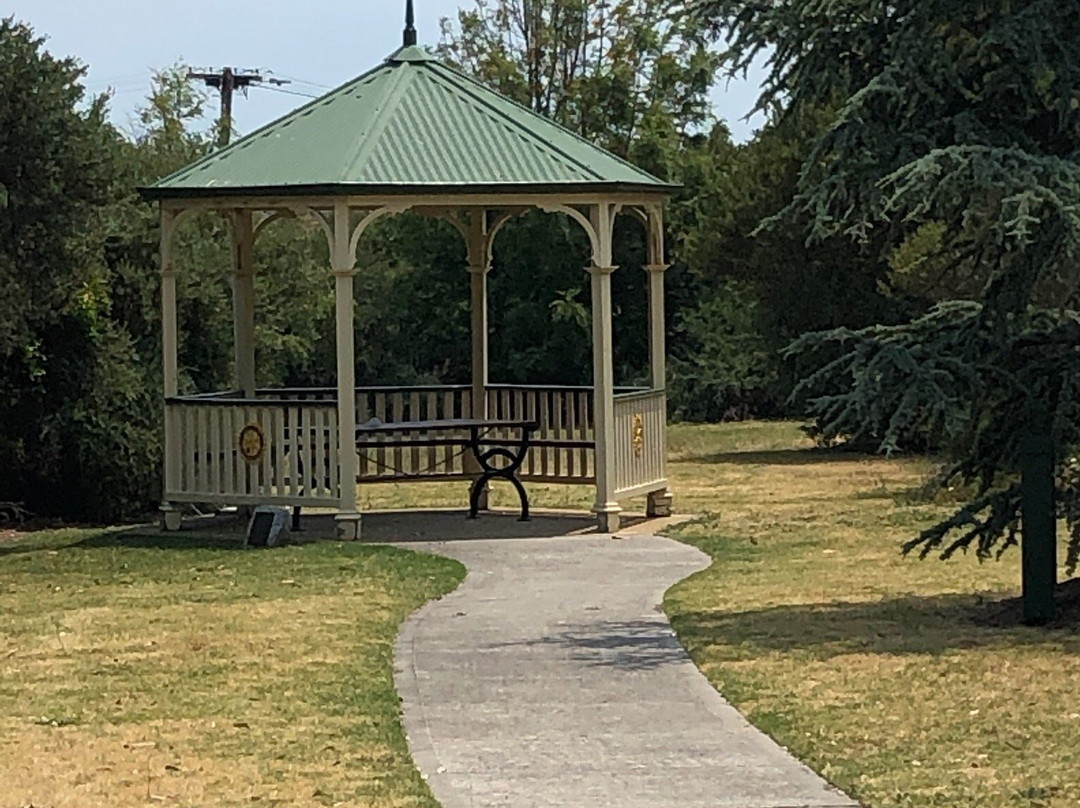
(410, 125)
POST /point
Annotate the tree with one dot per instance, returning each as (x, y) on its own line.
(70, 414)
(794, 285)
(632, 76)
(955, 150)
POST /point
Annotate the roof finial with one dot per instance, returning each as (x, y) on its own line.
(410, 24)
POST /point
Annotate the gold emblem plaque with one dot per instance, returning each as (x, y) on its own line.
(252, 443)
(638, 435)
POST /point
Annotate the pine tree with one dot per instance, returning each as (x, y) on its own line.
(955, 150)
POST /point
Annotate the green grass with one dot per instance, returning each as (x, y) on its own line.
(139, 669)
(186, 671)
(878, 670)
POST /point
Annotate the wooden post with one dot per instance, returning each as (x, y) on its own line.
(660, 503)
(479, 266)
(171, 516)
(606, 508)
(244, 303)
(657, 327)
(344, 268)
(169, 331)
(478, 276)
(1039, 548)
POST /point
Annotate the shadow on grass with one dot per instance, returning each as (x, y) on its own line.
(148, 539)
(140, 536)
(634, 645)
(424, 526)
(227, 532)
(778, 457)
(899, 626)
(46, 541)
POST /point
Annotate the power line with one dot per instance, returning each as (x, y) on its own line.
(295, 80)
(286, 92)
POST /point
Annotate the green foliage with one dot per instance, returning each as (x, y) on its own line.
(77, 432)
(954, 380)
(796, 285)
(954, 154)
(723, 369)
(631, 75)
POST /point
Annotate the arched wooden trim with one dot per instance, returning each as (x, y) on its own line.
(454, 218)
(650, 217)
(268, 218)
(368, 218)
(478, 231)
(467, 228)
(495, 227)
(636, 213)
(586, 224)
(323, 220)
(171, 219)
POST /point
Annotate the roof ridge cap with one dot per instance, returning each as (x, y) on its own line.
(581, 139)
(382, 118)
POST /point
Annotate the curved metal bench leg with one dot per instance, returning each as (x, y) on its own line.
(491, 473)
(474, 495)
(523, 496)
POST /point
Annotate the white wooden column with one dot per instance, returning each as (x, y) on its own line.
(343, 260)
(606, 508)
(479, 267)
(243, 303)
(659, 502)
(657, 327)
(171, 517)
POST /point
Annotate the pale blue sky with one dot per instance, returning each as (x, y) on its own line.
(322, 42)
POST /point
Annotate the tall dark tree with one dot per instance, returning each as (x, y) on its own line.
(72, 410)
(763, 286)
(955, 156)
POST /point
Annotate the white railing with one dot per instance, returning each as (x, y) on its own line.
(293, 454)
(565, 442)
(396, 405)
(236, 452)
(640, 442)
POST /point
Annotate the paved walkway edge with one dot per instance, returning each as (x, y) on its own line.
(643, 727)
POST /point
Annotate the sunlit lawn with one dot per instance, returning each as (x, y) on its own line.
(141, 670)
(876, 669)
(137, 669)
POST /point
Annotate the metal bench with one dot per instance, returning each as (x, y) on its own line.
(485, 439)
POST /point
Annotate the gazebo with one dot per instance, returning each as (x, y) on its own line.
(411, 135)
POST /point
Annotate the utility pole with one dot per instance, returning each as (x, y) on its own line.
(226, 82)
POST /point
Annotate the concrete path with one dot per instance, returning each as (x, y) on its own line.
(552, 678)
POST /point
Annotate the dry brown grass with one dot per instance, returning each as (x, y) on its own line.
(137, 670)
(876, 669)
(455, 495)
